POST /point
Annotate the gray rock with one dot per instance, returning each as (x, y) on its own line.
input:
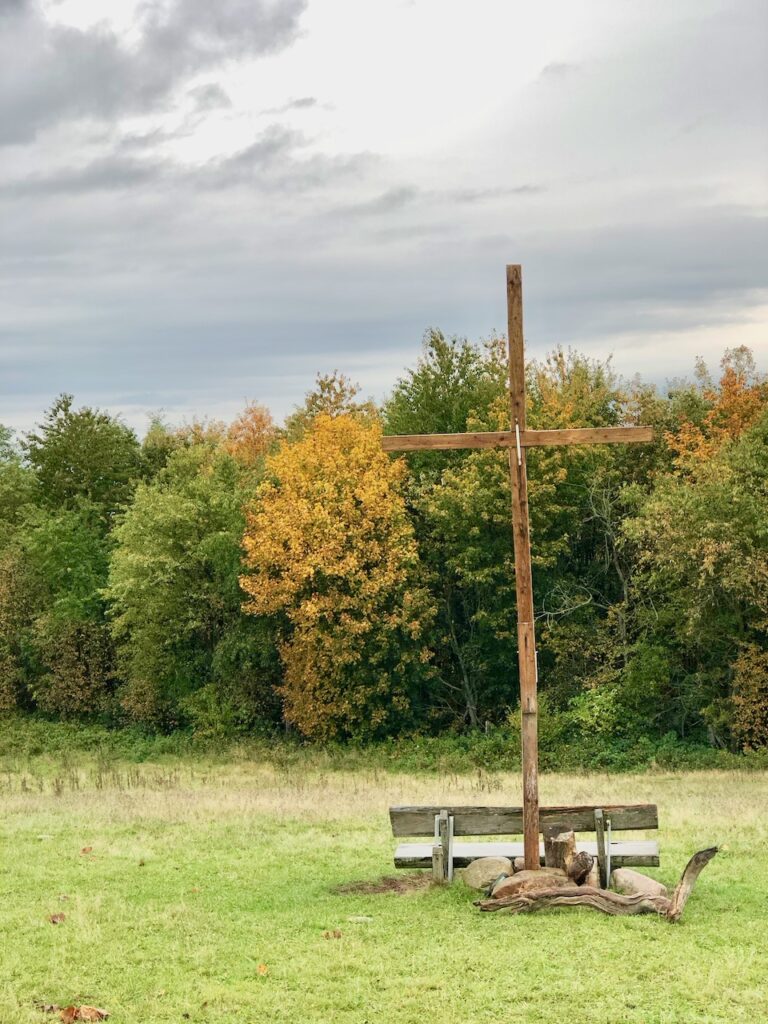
(631, 882)
(482, 872)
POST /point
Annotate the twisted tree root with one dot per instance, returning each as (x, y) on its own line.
(605, 901)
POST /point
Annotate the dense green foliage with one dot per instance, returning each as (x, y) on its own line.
(122, 566)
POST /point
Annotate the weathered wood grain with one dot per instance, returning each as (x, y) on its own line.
(631, 853)
(684, 887)
(602, 856)
(447, 442)
(526, 633)
(507, 438)
(603, 900)
(587, 435)
(517, 440)
(559, 846)
(508, 821)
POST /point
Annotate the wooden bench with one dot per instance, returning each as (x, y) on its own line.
(443, 824)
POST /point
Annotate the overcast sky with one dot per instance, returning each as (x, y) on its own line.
(207, 202)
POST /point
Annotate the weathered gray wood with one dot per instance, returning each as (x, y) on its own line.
(602, 856)
(559, 846)
(577, 896)
(683, 889)
(445, 845)
(438, 864)
(638, 853)
(508, 821)
(602, 899)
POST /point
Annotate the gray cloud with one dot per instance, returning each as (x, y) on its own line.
(210, 96)
(275, 161)
(51, 72)
(302, 103)
(139, 279)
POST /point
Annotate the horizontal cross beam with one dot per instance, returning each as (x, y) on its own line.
(508, 438)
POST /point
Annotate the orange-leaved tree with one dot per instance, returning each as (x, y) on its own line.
(250, 435)
(734, 405)
(330, 551)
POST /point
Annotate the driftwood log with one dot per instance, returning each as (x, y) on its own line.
(604, 900)
(560, 852)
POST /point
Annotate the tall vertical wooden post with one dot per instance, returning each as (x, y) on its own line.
(516, 441)
(526, 637)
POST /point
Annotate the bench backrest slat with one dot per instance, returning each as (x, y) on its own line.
(502, 821)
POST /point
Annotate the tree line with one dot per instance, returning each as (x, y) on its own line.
(249, 577)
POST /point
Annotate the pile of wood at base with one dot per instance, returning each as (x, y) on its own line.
(570, 880)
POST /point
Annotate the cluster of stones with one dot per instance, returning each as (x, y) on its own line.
(498, 877)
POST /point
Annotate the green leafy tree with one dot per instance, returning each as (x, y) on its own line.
(334, 394)
(701, 542)
(83, 454)
(186, 651)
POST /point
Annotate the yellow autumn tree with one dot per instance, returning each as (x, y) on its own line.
(330, 551)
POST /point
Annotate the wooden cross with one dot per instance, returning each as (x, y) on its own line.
(517, 440)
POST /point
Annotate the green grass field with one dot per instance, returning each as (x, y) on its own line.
(208, 888)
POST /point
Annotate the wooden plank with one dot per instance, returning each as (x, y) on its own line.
(508, 438)
(602, 859)
(445, 857)
(508, 821)
(633, 853)
(438, 864)
(587, 435)
(526, 634)
(445, 442)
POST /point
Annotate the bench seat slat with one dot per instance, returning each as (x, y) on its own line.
(640, 853)
(508, 821)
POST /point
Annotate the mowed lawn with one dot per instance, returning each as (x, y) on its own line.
(207, 891)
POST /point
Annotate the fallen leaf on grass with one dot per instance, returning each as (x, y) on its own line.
(73, 1013)
(262, 969)
(335, 934)
(57, 918)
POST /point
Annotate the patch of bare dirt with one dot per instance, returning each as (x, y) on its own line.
(388, 883)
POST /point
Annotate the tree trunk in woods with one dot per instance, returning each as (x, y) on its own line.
(605, 901)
